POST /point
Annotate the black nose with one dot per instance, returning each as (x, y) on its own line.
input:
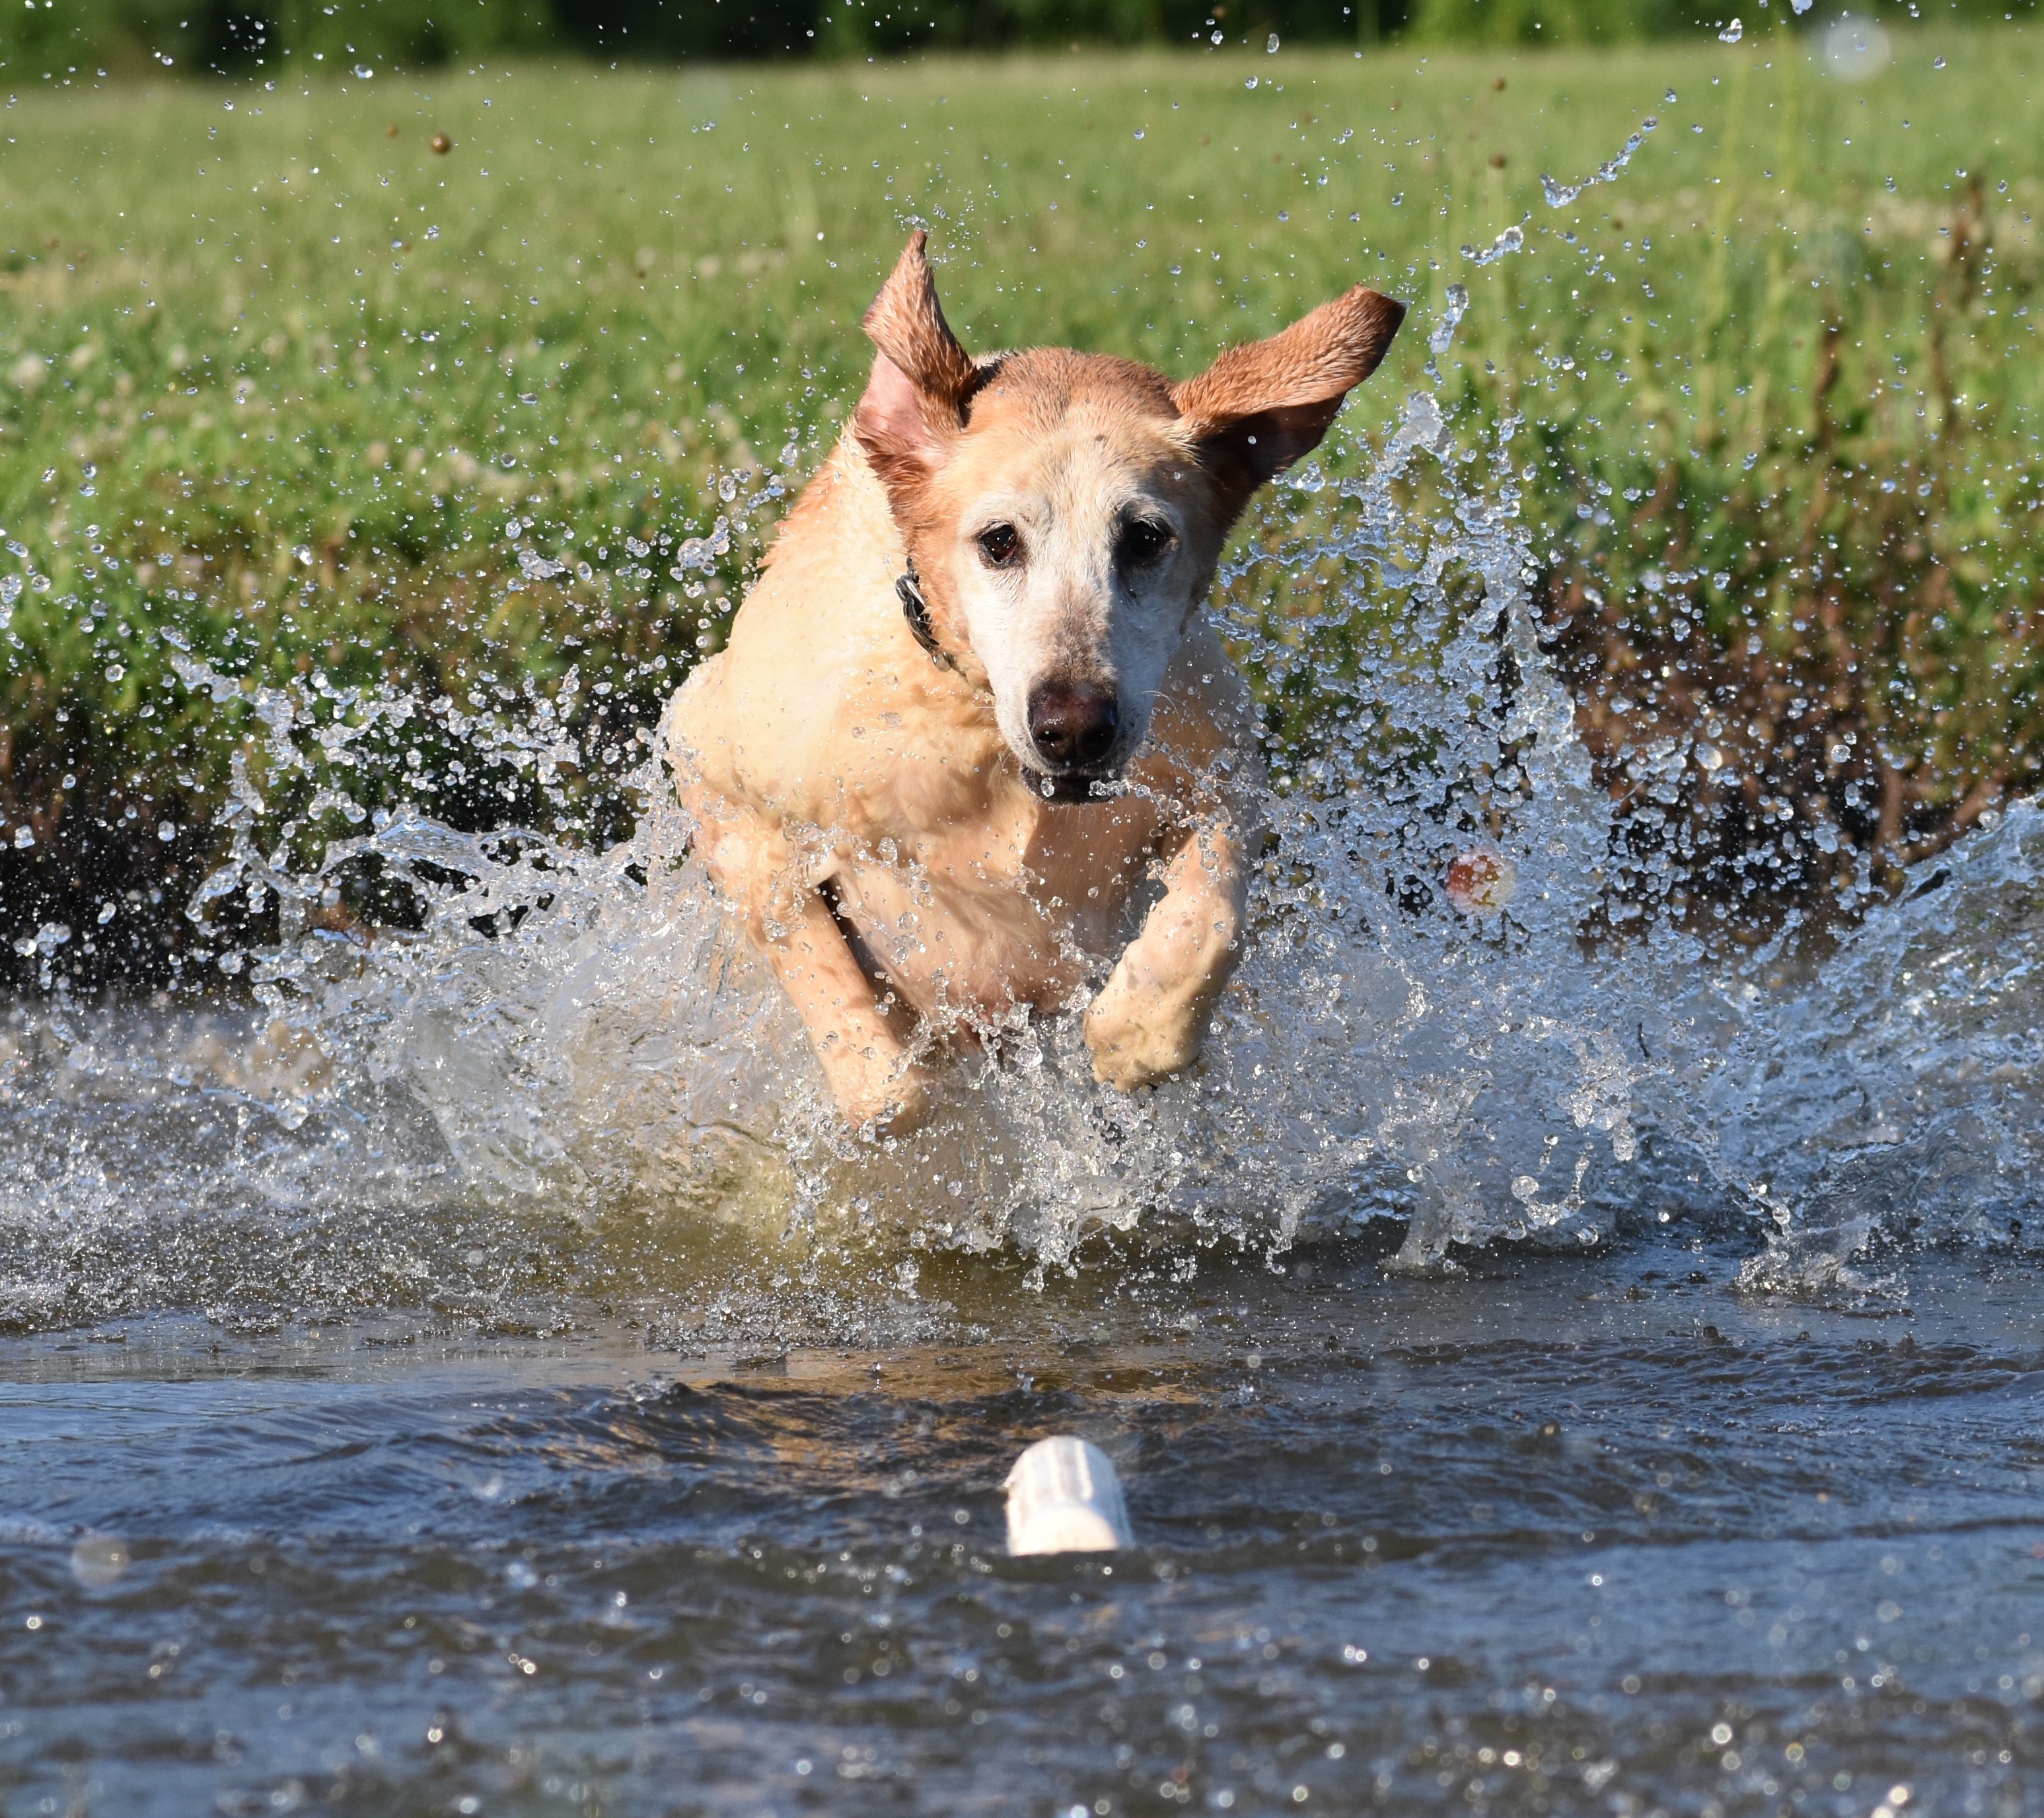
(1073, 724)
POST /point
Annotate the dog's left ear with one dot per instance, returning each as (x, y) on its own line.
(914, 405)
(1259, 408)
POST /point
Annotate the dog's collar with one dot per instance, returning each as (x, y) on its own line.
(916, 609)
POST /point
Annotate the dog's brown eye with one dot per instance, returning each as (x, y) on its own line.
(1143, 540)
(1001, 547)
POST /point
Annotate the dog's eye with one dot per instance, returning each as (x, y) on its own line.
(1000, 547)
(1143, 540)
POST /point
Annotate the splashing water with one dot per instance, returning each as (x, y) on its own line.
(1894, 1095)
(1560, 195)
(1455, 305)
(1512, 240)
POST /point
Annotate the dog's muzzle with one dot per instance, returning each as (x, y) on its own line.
(1074, 727)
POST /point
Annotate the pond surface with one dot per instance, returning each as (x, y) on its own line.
(1581, 1534)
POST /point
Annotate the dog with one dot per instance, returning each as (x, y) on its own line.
(971, 730)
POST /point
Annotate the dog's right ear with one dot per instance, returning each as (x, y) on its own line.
(914, 405)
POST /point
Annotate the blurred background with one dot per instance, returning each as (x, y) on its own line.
(65, 36)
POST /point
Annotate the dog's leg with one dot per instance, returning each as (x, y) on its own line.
(1149, 1019)
(864, 1055)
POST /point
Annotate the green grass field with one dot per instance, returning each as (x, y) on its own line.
(276, 374)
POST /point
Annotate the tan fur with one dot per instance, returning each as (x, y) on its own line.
(872, 813)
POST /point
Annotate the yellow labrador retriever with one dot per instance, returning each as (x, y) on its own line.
(971, 721)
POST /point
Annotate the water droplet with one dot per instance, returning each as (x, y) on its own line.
(99, 1560)
(1732, 33)
(1854, 50)
(1560, 195)
(1456, 305)
(1506, 243)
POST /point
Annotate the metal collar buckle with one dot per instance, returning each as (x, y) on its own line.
(916, 609)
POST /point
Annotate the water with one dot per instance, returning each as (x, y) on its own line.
(1568, 1534)
(456, 1362)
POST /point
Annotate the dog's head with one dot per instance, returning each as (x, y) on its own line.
(1065, 511)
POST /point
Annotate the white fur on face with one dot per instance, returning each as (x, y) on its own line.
(1073, 609)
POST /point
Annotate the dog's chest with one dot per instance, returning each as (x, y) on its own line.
(1008, 907)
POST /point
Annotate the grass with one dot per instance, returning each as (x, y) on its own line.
(276, 376)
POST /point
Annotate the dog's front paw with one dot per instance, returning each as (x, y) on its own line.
(1137, 1040)
(889, 1099)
